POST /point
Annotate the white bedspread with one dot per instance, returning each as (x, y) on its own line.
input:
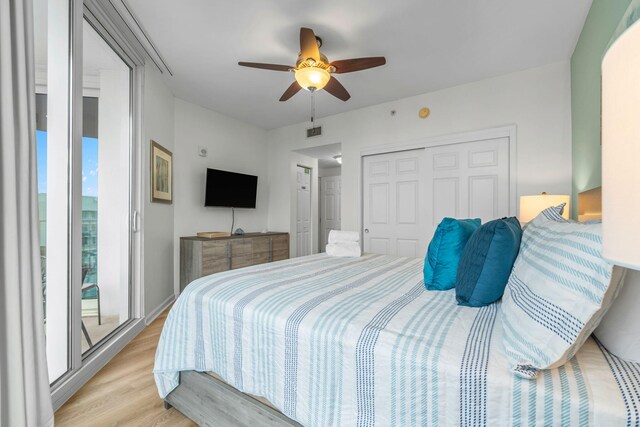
(360, 342)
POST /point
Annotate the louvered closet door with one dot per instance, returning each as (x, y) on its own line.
(467, 180)
(394, 208)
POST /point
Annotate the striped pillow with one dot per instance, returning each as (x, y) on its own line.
(559, 289)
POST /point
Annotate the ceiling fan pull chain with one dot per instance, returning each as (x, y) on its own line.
(313, 107)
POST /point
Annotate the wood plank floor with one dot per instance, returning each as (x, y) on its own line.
(123, 393)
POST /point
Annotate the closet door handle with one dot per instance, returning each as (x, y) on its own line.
(366, 230)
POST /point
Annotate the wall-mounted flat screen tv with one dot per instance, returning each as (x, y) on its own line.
(230, 189)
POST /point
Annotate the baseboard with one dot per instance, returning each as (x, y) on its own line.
(153, 315)
(67, 388)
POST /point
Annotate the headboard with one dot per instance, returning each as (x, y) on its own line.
(590, 204)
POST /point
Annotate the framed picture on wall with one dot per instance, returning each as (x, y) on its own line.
(161, 174)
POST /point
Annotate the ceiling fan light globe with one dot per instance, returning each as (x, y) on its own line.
(312, 77)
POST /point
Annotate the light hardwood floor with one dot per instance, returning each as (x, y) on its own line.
(123, 393)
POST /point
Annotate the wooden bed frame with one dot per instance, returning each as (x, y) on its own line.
(209, 401)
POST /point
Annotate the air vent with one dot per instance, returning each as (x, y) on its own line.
(316, 131)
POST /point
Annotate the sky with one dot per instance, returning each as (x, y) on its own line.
(89, 164)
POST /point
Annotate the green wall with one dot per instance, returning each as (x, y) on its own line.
(602, 21)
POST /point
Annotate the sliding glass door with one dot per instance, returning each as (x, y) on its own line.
(106, 183)
(84, 148)
(51, 20)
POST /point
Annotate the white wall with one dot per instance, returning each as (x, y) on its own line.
(334, 171)
(157, 218)
(537, 101)
(233, 146)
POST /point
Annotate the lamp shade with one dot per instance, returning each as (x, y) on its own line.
(531, 206)
(312, 77)
(621, 149)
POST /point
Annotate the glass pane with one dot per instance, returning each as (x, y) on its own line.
(105, 189)
(51, 63)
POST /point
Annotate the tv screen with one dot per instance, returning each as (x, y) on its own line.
(230, 189)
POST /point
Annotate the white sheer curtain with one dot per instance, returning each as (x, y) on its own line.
(25, 399)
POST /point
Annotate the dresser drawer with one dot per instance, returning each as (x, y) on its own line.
(280, 255)
(213, 250)
(280, 243)
(241, 246)
(215, 266)
(279, 248)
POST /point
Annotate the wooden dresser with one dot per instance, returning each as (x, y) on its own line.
(200, 256)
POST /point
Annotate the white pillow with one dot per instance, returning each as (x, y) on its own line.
(558, 291)
(618, 331)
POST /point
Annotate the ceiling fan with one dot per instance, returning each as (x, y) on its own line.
(313, 70)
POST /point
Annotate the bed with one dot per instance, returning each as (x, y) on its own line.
(359, 342)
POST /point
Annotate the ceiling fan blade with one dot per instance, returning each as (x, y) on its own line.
(357, 64)
(291, 90)
(274, 67)
(335, 88)
(309, 44)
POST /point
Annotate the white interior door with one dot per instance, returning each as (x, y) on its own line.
(394, 209)
(303, 221)
(329, 207)
(467, 180)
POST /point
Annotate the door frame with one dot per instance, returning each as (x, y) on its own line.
(509, 131)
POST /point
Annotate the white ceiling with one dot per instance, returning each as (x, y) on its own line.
(429, 45)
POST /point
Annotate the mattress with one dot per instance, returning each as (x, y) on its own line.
(360, 342)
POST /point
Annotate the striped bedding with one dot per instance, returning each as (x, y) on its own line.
(360, 342)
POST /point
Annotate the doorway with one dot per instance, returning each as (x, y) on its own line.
(326, 204)
(303, 218)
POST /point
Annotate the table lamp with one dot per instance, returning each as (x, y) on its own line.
(531, 206)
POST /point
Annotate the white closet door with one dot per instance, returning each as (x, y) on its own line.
(394, 208)
(329, 207)
(467, 180)
(303, 222)
(406, 194)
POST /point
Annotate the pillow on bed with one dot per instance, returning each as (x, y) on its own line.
(445, 249)
(487, 261)
(558, 291)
